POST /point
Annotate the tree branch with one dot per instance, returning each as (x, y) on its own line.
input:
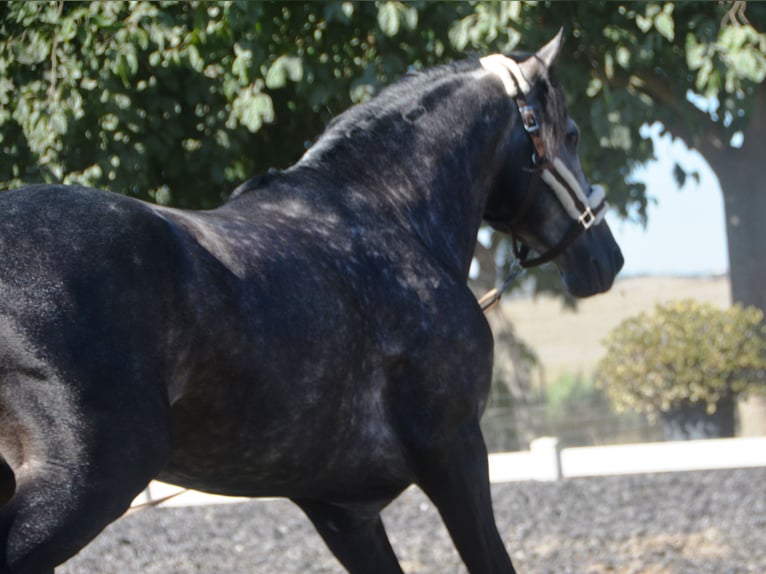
(713, 138)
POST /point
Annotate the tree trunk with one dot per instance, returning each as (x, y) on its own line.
(742, 175)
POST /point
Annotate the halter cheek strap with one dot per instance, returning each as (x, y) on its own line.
(586, 209)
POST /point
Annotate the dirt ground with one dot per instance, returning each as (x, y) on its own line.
(674, 523)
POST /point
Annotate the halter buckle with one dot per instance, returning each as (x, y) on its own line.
(529, 119)
(587, 218)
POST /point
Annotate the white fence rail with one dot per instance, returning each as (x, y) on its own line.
(546, 461)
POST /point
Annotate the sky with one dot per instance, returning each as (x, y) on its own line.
(685, 233)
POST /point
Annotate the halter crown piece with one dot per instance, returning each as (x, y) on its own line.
(587, 209)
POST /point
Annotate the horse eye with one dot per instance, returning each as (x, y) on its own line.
(573, 138)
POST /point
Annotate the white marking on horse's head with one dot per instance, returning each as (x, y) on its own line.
(522, 75)
(508, 72)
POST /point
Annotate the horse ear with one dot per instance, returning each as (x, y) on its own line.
(549, 53)
(544, 59)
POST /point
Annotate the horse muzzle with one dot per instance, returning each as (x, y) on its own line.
(591, 263)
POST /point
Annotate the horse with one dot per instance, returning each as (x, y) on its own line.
(312, 338)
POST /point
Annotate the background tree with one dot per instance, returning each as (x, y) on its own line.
(698, 69)
(179, 102)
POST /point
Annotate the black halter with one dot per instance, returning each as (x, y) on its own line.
(587, 210)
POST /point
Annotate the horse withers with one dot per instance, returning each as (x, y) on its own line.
(312, 338)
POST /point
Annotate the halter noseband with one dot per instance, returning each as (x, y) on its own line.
(585, 209)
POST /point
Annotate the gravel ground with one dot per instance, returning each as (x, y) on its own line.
(650, 524)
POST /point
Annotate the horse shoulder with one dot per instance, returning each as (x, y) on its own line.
(438, 357)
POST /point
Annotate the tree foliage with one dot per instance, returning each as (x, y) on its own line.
(181, 101)
(685, 352)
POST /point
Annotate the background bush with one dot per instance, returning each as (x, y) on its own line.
(685, 352)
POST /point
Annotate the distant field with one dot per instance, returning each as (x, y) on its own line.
(571, 341)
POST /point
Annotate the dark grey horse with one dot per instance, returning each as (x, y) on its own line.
(313, 338)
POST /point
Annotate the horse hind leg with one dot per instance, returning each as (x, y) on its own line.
(31, 523)
(7, 483)
(357, 539)
(74, 474)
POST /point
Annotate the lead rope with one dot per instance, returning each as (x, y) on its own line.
(492, 297)
(154, 502)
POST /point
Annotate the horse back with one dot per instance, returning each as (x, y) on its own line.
(266, 325)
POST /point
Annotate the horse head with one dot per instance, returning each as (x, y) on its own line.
(541, 197)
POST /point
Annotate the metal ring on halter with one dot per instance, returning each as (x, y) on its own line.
(529, 118)
(587, 218)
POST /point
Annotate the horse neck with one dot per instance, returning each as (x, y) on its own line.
(426, 161)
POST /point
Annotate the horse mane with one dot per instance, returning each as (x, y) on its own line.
(394, 99)
(408, 88)
(552, 109)
(406, 93)
(403, 98)
(407, 98)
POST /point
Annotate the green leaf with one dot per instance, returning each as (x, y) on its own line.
(263, 105)
(68, 29)
(251, 108)
(276, 77)
(644, 24)
(294, 67)
(749, 64)
(243, 62)
(652, 9)
(510, 11)
(609, 65)
(388, 18)
(734, 37)
(594, 87)
(409, 16)
(663, 22)
(284, 68)
(132, 62)
(623, 57)
(695, 52)
(695, 175)
(163, 196)
(703, 75)
(195, 60)
(679, 174)
(458, 34)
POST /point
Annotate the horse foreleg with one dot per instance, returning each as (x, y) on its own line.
(456, 478)
(358, 539)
